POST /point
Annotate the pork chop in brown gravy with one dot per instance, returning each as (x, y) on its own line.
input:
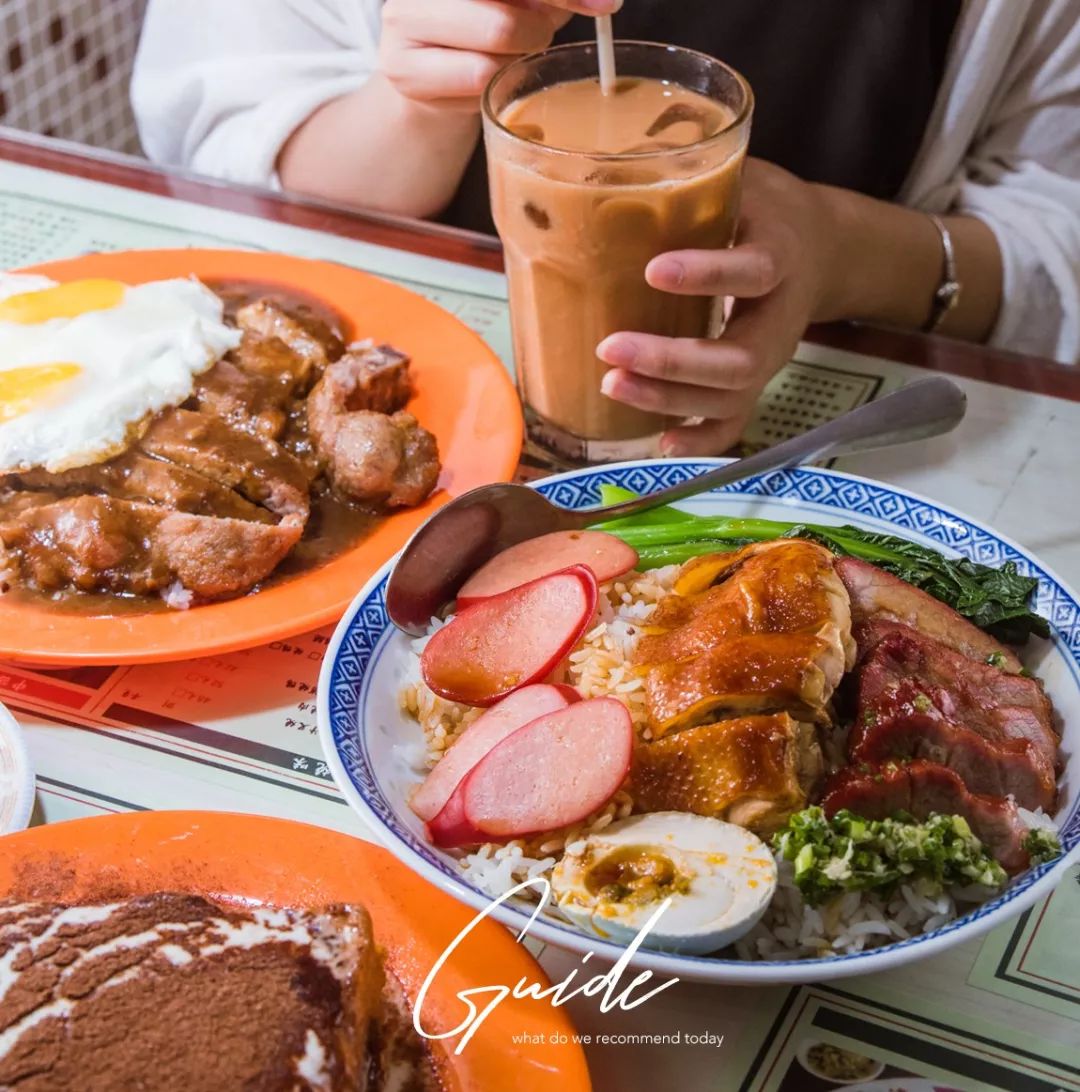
(212, 496)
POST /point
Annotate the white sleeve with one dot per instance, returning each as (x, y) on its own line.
(1022, 177)
(220, 85)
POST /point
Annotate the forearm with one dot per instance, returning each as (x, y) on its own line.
(378, 149)
(888, 260)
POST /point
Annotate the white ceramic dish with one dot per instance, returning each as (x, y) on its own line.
(362, 726)
(802, 1054)
(16, 776)
(899, 1084)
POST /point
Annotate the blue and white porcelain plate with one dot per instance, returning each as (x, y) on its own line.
(366, 735)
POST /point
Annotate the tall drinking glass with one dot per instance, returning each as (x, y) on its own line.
(586, 189)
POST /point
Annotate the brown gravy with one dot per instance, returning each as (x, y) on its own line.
(335, 525)
(236, 293)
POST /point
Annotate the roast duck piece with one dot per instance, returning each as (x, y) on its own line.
(212, 495)
(753, 771)
(741, 666)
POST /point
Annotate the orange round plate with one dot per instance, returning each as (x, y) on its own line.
(277, 861)
(465, 397)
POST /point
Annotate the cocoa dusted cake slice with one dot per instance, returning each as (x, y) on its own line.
(175, 993)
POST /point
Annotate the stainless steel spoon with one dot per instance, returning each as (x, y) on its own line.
(464, 534)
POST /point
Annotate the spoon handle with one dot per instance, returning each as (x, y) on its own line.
(916, 412)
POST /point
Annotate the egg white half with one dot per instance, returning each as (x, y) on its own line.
(726, 878)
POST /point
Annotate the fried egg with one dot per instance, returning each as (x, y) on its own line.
(83, 365)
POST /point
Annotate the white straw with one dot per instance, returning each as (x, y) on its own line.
(605, 53)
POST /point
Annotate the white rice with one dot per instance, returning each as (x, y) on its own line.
(1036, 820)
(601, 667)
(177, 597)
(851, 922)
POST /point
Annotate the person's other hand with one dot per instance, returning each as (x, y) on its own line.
(444, 52)
(779, 272)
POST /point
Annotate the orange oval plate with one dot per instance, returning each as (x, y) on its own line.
(465, 397)
(277, 861)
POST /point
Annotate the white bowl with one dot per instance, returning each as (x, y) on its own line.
(365, 734)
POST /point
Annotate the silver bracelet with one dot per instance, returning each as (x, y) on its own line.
(948, 292)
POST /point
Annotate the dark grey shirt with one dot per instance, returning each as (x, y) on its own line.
(844, 88)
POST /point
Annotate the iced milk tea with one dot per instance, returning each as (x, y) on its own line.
(586, 190)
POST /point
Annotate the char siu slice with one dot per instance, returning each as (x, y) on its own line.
(1002, 768)
(876, 594)
(93, 543)
(901, 715)
(257, 468)
(921, 788)
(308, 337)
(786, 586)
(752, 771)
(135, 476)
(903, 665)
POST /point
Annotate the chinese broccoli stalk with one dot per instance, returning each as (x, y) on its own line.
(996, 600)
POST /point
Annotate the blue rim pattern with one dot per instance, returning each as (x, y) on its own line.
(368, 630)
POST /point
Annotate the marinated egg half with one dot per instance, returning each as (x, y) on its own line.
(719, 878)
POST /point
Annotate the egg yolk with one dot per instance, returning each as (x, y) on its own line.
(22, 388)
(62, 301)
(635, 875)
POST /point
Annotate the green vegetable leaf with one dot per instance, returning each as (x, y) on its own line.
(922, 703)
(996, 600)
(1042, 845)
(657, 557)
(615, 494)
